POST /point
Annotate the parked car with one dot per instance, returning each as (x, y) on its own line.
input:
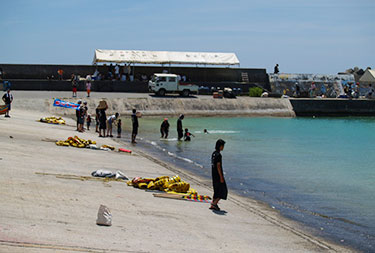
(161, 84)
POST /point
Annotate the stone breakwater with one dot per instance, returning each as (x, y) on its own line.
(152, 106)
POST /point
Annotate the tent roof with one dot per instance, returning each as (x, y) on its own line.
(164, 57)
(368, 76)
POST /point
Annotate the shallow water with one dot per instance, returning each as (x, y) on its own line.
(317, 171)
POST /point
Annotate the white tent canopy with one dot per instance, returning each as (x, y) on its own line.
(368, 76)
(164, 57)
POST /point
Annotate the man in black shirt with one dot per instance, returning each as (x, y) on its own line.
(8, 99)
(180, 131)
(135, 126)
(276, 69)
(218, 181)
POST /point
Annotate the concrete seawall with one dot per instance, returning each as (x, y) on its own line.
(152, 106)
(333, 107)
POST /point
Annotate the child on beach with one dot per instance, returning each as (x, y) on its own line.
(218, 181)
(187, 135)
(88, 86)
(119, 128)
(88, 122)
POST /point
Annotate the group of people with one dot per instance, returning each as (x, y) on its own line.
(114, 72)
(164, 129)
(218, 181)
(75, 81)
(82, 116)
(104, 124)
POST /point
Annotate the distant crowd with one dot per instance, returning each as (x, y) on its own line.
(349, 90)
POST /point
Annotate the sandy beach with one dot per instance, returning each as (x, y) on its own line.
(50, 213)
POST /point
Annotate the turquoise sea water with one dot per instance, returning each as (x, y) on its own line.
(318, 171)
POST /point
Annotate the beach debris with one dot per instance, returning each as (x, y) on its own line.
(124, 150)
(11, 137)
(195, 198)
(81, 178)
(49, 140)
(53, 120)
(104, 216)
(173, 185)
(109, 174)
(93, 146)
(108, 147)
(76, 142)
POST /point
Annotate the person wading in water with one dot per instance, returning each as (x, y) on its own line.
(180, 131)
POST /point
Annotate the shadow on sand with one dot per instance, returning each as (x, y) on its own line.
(221, 212)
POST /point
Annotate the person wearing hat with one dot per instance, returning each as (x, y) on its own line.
(180, 131)
(81, 117)
(8, 99)
(164, 128)
(218, 181)
(102, 117)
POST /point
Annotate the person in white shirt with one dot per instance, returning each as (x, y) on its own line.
(110, 121)
(117, 71)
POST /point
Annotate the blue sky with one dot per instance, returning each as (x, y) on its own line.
(317, 36)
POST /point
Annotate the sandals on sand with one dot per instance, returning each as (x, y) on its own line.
(214, 207)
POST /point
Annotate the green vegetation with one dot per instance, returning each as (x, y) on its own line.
(255, 92)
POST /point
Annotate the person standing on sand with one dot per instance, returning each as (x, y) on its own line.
(74, 85)
(218, 181)
(164, 128)
(102, 119)
(88, 85)
(119, 128)
(8, 99)
(135, 125)
(88, 121)
(81, 118)
(180, 131)
(77, 112)
(110, 121)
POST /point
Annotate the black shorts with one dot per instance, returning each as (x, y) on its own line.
(102, 124)
(220, 190)
(8, 107)
(135, 130)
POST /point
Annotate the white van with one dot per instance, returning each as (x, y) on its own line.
(161, 84)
